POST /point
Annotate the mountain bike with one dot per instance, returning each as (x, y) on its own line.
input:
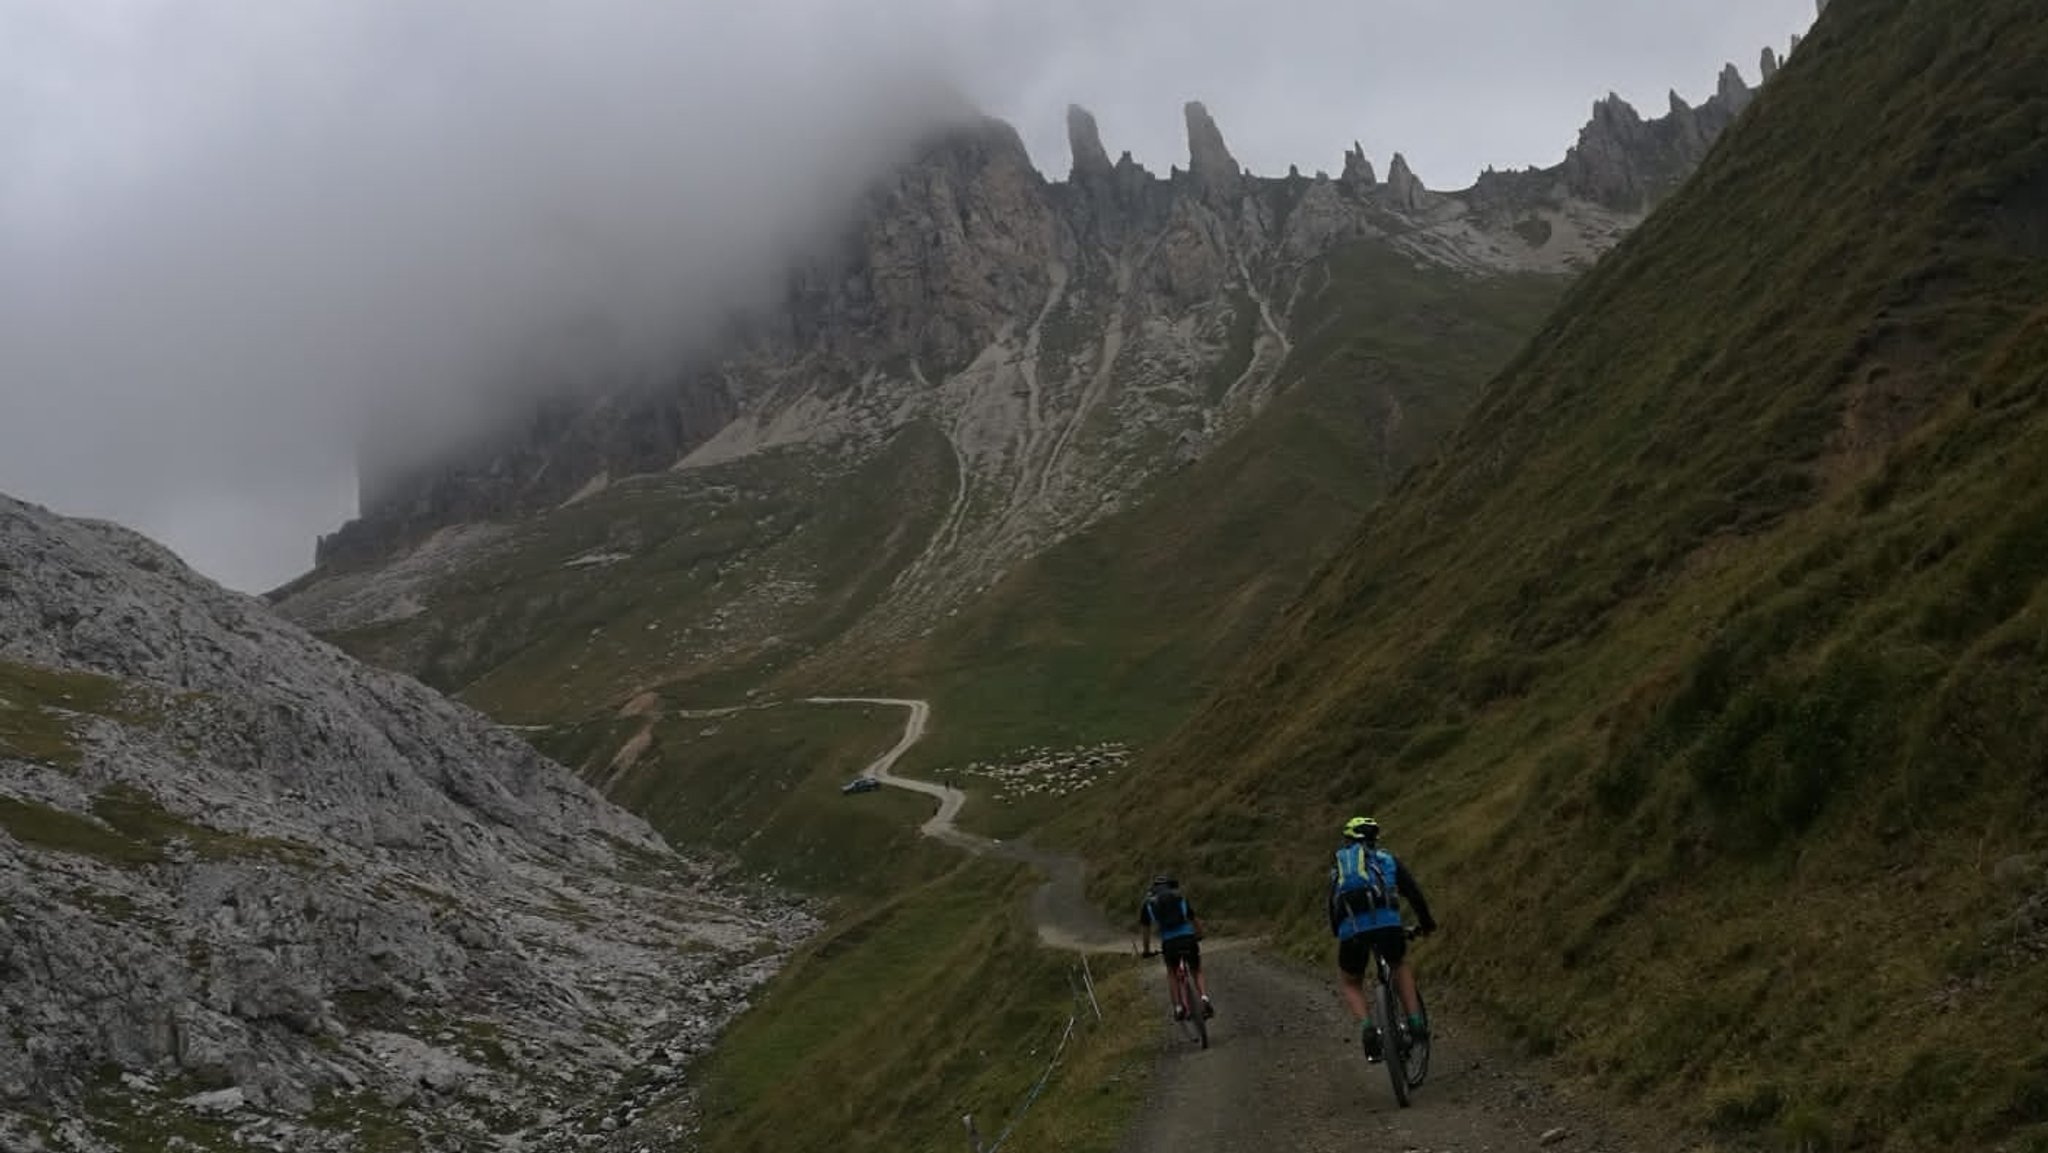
(1406, 1056)
(1186, 1002)
(1184, 978)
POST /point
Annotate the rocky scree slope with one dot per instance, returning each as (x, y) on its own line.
(251, 890)
(1701, 676)
(1072, 341)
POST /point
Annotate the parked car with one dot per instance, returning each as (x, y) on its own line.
(860, 785)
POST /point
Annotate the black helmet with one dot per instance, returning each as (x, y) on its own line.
(1165, 881)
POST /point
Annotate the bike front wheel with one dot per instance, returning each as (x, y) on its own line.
(1418, 1047)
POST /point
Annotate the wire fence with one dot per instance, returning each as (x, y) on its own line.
(1081, 983)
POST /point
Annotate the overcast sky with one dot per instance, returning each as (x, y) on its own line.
(234, 232)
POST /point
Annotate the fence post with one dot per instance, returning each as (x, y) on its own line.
(1088, 978)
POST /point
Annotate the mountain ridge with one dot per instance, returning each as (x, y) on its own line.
(971, 235)
(1018, 358)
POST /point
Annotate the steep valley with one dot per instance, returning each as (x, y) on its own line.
(1654, 542)
(1056, 455)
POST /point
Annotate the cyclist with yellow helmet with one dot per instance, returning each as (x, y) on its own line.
(1367, 886)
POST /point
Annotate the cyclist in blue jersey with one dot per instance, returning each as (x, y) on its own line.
(1367, 886)
(1180, 935)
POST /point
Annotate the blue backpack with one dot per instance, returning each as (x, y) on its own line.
(1366, 881)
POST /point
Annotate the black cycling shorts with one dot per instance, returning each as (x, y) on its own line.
(1173, 949)
(1354, 954)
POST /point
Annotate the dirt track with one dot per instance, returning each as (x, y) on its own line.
(1283, 1072)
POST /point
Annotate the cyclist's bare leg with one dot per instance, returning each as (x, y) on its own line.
(1404, 981)
(1201, 984)
(1354, 995)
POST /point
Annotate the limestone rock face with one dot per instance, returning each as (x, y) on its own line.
(1623, 161)
(966, 284)
(1731, 93)
(249, 861)
(1084, 140)
(1214, 170)
(1357, 169)
(1404, 188)
(952, 250)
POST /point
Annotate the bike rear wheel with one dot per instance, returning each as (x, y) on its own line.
(1388, 1024)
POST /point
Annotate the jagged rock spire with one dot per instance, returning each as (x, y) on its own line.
(1617, 115)
(1732, 91)
(1357, 169)
(1084, 140)
(1210, 163)
(1403, 185)
(1769, 65)
(1685, 122)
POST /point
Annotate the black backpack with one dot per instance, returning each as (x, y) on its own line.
(1169, 909)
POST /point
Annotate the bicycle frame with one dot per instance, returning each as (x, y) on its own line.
(1407, 1060)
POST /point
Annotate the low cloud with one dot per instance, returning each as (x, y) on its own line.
(235, 236)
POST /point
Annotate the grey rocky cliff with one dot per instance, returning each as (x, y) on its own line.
(1625, 162)
(1357, 169)
(1731, 93)
(959, 244)
(1018, 313)
(1215, 172)
(255, 867)
(1084, 140)
(1404, 188)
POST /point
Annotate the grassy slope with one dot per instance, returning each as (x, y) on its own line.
(529, 637)
(41, 710)
(932, 1005)
(928, 996)
(1712, 643)
(763, 785)
(1118, 632)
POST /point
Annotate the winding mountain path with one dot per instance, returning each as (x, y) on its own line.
(1283, 1071)
(1065, 918)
